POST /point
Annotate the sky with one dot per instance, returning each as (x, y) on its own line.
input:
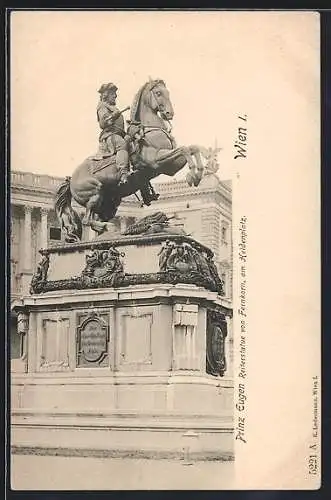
(210, 62)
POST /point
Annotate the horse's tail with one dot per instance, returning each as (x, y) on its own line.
(68, 217)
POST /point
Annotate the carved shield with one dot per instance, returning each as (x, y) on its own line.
(216, 334)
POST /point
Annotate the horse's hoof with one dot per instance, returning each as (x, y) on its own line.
(189, 180)
(99, 227)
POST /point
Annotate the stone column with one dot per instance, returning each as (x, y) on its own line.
(27, 270)
(44, 228)
(27, 238)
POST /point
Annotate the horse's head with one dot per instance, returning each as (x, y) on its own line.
(156, 96)
(153, 96)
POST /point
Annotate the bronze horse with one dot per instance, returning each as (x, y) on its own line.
(153, 151)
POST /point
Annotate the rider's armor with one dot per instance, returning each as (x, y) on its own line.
(111, 139)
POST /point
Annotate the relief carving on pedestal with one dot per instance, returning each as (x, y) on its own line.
(104, 264)
(183, 258)
(216, 335)
(40, 276)
(22, 330)
(22, 323)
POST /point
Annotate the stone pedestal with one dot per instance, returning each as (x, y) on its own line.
(122, 369)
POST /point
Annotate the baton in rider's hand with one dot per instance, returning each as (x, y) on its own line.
(117, 114)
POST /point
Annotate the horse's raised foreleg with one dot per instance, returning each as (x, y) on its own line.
(198, 173)
(174, 154)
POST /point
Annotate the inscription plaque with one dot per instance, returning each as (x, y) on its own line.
(92, 340)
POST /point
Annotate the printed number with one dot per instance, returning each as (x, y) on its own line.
(312, 464)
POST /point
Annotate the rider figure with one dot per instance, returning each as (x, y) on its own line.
(111, 121)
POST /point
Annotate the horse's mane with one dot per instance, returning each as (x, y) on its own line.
(135, 108)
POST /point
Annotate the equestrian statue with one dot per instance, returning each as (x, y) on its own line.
(126, 160)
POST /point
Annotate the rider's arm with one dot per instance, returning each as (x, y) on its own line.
(107, 116)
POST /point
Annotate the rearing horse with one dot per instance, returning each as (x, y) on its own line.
(153, 151)
(151, 110)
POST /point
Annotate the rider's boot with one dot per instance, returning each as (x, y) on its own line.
(122, 161)
(145, 194)
(153, 195)
(148, 194)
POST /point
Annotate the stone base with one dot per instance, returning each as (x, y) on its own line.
(86, 391)
(155, 416)
(122, 434)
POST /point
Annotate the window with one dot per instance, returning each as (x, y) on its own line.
(55, 233)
